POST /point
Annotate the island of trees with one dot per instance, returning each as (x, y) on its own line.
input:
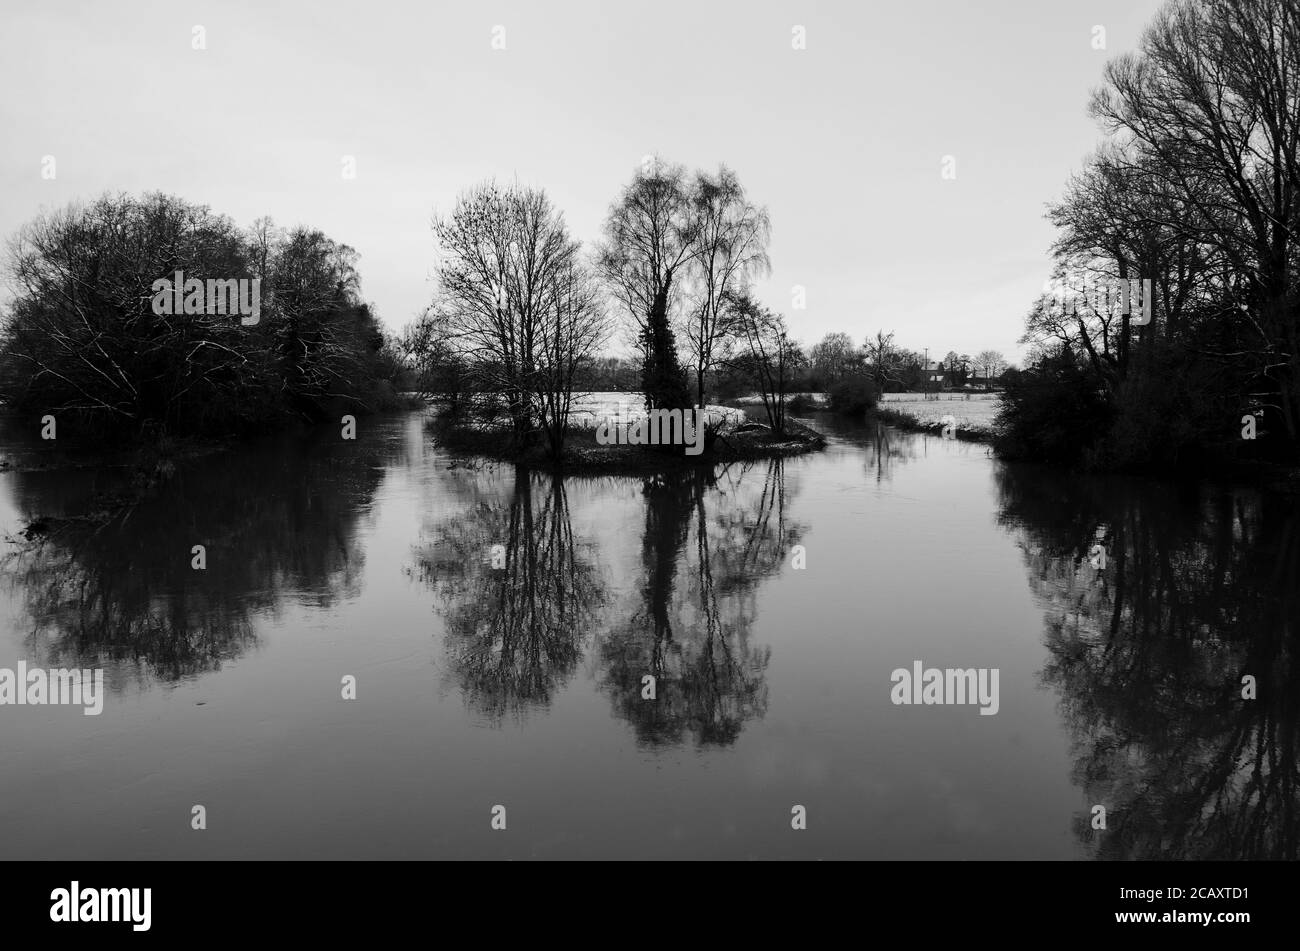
(523, 314)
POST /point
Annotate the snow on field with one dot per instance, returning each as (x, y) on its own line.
(590, 409)
(974, 414)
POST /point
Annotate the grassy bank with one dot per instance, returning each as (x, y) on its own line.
(971, 414)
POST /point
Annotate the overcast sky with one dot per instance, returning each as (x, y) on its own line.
(843, 141)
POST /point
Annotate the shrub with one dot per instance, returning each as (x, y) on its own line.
(1051, 412)
(800, 404)
(1174, 409)
(853, 395)
(1178, 411)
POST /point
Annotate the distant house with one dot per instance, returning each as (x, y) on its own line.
(978, 380)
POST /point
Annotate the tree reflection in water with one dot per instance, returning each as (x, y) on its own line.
(515, 632)
(705, 551)
(123, 593)
(518, 632)
(1200, 588)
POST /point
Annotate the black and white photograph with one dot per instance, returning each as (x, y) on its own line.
(686, 431)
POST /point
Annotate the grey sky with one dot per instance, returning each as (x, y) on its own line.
(843, 141)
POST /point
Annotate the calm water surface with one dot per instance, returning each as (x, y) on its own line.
(512, 675)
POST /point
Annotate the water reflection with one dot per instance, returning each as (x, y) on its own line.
(1199, 588)
(709, 541)
(884, 449)
(520, 594)
(525, 600)
(121, 591)
(887, 448)
(545, 602)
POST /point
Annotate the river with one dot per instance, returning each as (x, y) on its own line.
(498, 626)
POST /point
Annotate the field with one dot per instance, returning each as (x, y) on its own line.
(972, 412)
(590, 409)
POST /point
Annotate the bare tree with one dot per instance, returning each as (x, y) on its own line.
(435, 368)
(766, 353)
(1121, 220)
(991, 363)
(567, 339)
(885, 362)
(650, 241)
(1208, 106)
(833, 356)
(518, 302)
(731, 236)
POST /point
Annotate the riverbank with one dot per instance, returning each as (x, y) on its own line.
(970, 417)
(975, 424)
(972, 414)
(916, 424)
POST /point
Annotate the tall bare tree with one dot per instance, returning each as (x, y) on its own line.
(650, 242)
(567, 340)
(731, 237)
(519, 302)
(1210, 103)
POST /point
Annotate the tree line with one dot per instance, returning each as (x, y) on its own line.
(521, 319)
(895, 369)
(84, 339)
(523, 312)
(1193, 188)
